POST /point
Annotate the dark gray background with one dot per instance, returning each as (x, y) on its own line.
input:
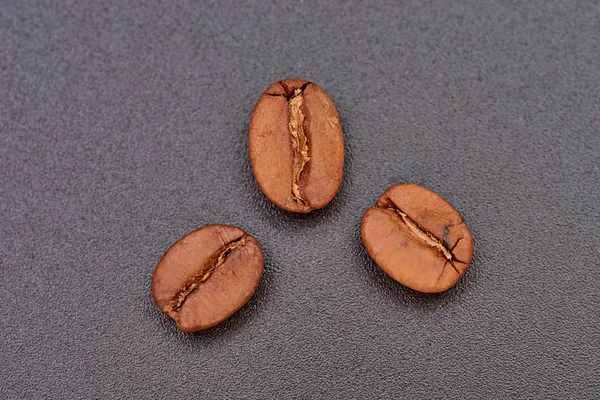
(124, 127)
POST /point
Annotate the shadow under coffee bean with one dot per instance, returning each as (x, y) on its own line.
(417, 238)
(207, 276)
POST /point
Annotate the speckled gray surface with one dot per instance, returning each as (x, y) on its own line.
(123, 127)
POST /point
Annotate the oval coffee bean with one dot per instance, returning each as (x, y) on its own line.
(417, 238)
(296, 146)
(207, 275)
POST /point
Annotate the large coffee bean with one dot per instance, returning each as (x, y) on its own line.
(296, 146)
(417, 238)
(207, 275)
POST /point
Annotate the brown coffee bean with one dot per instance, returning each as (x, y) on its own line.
(296, 146)
(417, 238)
(207, 275)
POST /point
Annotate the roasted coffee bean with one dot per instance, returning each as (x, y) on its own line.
(296, 146)
(207, 275)
(417, 238)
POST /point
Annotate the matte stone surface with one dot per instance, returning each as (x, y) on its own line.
(123, 126)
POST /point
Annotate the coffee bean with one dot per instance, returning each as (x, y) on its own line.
(296, 146)
(207, 275)
(417, 238)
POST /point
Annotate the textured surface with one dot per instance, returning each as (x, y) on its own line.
(124, 127)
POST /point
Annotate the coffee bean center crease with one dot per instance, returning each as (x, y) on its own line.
(427, 237)
(206, 271)
(299, 139)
